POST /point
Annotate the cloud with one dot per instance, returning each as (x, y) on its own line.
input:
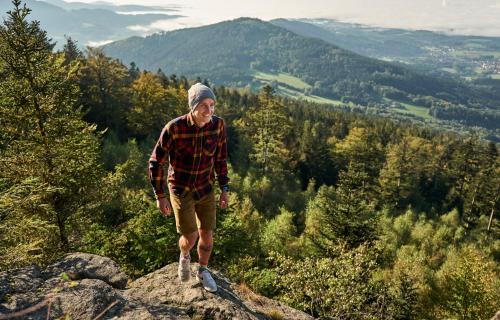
(167, 25)
(135, 13)
(424, 14)
(98, 43)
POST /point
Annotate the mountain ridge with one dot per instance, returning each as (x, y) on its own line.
(432, 52)
(228, 53)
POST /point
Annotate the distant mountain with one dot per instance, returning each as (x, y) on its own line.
(232, 52)
(88, 23)
(251, 52)
(432, 52)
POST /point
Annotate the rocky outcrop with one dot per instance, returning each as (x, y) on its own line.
(86, 286)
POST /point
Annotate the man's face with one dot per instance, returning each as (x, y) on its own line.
(204, 111)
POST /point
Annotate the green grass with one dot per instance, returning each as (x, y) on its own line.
(411, 109)
(312, 98)
(416, 110)
(285, 84)
(319, 99)
(283, 78)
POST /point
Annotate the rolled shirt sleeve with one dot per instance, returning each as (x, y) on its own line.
(158, 160)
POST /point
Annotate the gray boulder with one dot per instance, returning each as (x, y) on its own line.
(229, 302)
(94, 287)
(88, 266)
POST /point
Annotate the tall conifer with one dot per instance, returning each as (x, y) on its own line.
(49, 168)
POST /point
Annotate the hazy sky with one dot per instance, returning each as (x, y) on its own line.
(458, 16)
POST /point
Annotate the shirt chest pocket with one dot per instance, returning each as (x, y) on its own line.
(209, 146)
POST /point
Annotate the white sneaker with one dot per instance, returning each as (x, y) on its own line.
(184, 270)
(206, 280)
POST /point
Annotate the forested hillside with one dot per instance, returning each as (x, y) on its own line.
(335, 213)
(250, 52)
(454, 56)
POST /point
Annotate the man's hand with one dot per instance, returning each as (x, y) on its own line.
(164, 205)
(224, 200)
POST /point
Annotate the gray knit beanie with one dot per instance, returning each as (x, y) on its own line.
(197, 93)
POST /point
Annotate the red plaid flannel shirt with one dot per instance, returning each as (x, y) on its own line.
(193, 154)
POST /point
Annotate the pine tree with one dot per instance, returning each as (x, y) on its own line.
(279, 234)
(464, 165)
(103, 83)
(49, 169)
(71, 51)
(484, 186)
(133, 71)
(436, 183)
(361, 146)
(342, 215)
(268, 126)
(403, 171)
(315, 159)
(163, 77)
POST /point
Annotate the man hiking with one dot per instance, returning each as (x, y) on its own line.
(194, 146)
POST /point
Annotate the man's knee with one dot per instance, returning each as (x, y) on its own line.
(206, 235)
(206, 239)
(190, 237)
(205, 247)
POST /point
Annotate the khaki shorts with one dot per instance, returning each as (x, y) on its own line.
(191, 214)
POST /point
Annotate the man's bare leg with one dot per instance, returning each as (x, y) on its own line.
(205, 244)
(187, 242)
